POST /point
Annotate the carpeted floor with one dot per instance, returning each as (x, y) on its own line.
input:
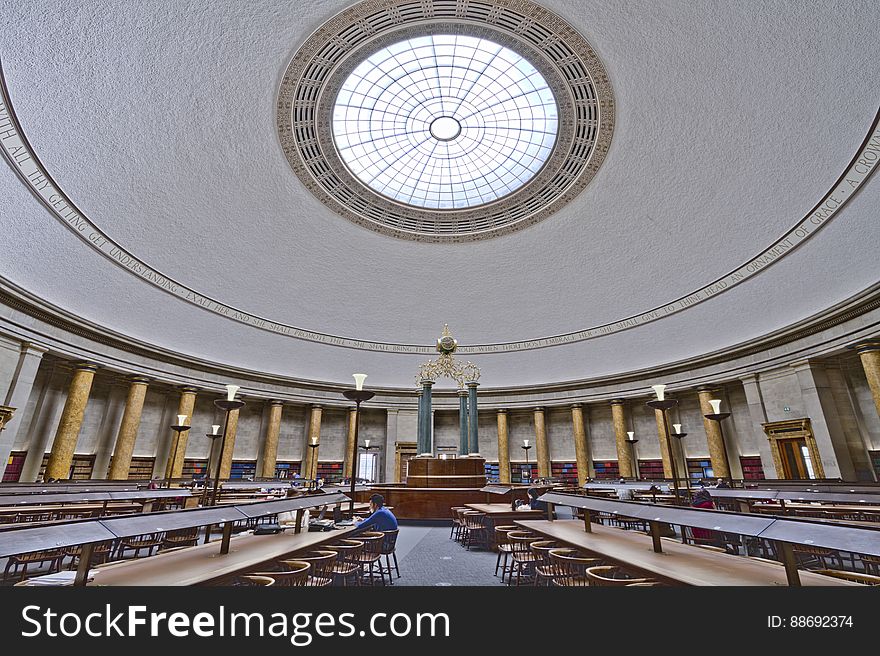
(428, 557)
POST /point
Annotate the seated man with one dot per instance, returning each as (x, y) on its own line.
(534, 504)
(382, 519)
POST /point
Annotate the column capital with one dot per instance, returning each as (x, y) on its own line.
(275, 402)
(472, 383)
(462, 392)
(189, 389)
(315, 406)
(575, 406)
(85, 366)
(866, 345)
(427, 382)
(712, 389)
(502, 411)
(538, 408)
(139, 380)
(618, 401)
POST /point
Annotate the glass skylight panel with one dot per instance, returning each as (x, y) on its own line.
(445, 121)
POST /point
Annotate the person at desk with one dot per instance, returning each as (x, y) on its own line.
(381, 518)
(534, 504)
(722, 484)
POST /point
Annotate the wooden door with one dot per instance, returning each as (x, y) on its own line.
(403, 451)
(794, 458)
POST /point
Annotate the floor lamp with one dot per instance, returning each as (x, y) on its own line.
(525, 447)
(228, 405)
(178, 428)
(213, 437)
(679, 435)
(717, 415)
(358, 395)
(632, 448)
(663, 404)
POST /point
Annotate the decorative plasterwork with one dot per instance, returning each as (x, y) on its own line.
(24, 161)
(568, 63)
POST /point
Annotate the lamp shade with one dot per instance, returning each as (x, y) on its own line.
(659, 391)
(230, 392)
(631, 435)
(215, 428)
(367, 443)
(181, 420)
(677, 428)
(716, 406)
(359, 381)
(525, 442)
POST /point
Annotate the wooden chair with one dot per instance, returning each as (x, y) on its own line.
(871, 563)
(855, 577)
(101, 553)
(521, 550)
(185, 537)
(612, 576)
(348, 561)
(51, 556)
(568, 568)
(455, 531)
(321, 561)
(148, 541)
(296, 574)
(543, 567)
(502, 544)
(808, 557)
(29, 516)
(370, 556)
(388, 550)
(251, 580)
(475, 531)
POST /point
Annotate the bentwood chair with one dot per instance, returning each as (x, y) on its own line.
(612, 576)
(37, 558)
(523, 558)
(476, 534)
(388, 550)
(855, 577)
(148, 541)
(811, 557)
(348, 564)
(296, 574)
(871, 563)
(455, 531)
(502, 544)
(569, 568)
(370, 556)
(252, 580)
(101, 553)
(185, 537)
(543, 569)
(322, 562)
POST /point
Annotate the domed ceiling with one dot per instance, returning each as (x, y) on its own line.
(169, 210)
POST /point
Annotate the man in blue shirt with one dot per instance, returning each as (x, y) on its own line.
(382, 519)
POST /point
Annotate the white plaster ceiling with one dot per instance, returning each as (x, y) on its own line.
(157, 119)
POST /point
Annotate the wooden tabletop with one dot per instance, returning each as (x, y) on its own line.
(111, 505)
(504, 509)
(679, 563)
(203, 563)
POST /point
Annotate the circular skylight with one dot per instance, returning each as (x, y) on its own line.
(445, 121)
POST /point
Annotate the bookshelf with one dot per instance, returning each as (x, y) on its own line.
(493, 472)
(699, 468)
(80, 467)
(14, 466)
(287, 469)
(523, 473)
(606, 469)
(141, 468)
(243, 469)
(192, 468)
(331, 472)
(565, 472)
(753, 470)
(651, 470)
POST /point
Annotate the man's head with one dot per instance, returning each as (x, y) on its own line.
(376, 502)
(533, 492)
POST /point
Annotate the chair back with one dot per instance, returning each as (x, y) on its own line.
(373, 541)
(254, 580)
(348, 550)
(322, 562)
(855, 577)
(541, 550)
(520, 542)
(389, 541)
(473, 520)
(612, 576)
(297, 574)
(569, 567)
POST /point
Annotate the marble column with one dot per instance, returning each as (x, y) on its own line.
(664, 443)
(869, 354)
(227, 445)
(624, 454)
(67, 434)
(541, 449)
(270, 442)
(463, 447)
(17, 397)
(350, 447)
(310, 460)
(177, 451)
(128, 429)
(427, 420)
(503, 447)
(581, 446)
(420, 439)
(714, 438)
(473, 420)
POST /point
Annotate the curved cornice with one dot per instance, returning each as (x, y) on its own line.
(24, 161)
(714, 368)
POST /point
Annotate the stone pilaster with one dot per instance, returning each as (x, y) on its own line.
(503, 447)
(67, 434)
(128, 429)
(17, 397)
(270, 441)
